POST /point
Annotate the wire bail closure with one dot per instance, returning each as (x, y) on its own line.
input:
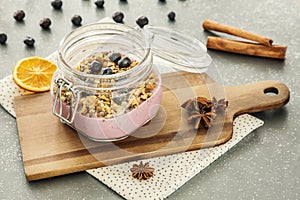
(62, 83)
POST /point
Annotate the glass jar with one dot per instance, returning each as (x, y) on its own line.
(105, 107)
(109, 107)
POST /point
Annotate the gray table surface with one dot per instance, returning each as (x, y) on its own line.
(265, 165)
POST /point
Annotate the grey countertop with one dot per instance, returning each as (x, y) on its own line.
(265, 165)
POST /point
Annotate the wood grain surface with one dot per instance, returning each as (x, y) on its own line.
(50, 148)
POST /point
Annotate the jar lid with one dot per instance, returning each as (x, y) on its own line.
(183, 52)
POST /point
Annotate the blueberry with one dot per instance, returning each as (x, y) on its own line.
(19, 15)
(96, 66)
(56, 4)
(118, 17)
(3, 38)
(142, 21)
(114, 57)
(29, 41)
(125, 62)
(172, 16)
(45, 23)
(99, 3)
(76, 20)
(107, 71)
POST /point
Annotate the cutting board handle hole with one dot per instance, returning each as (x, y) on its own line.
(271, 91)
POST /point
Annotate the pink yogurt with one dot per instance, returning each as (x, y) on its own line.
(101, 129)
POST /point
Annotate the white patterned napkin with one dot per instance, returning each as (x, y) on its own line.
(171, 171)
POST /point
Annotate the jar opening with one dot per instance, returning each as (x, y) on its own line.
(103, 37)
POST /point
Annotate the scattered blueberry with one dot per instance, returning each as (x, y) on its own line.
(107, 71)
(45, 23)
(96, 66)
(118, 17)
(114, 57)
(172, 16)
(29, 41)
(76, 20)
(142, 21)
(99, 3)
(19, 15)
(125, 62)
(56, 4)
(163, 1)
(3, 38)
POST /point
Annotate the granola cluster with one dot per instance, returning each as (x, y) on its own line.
(108, 104)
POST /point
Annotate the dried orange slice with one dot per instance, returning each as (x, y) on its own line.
(34, 74)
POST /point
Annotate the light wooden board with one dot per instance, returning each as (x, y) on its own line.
(50, 148)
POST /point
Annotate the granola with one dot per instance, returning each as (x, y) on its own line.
(108, 104)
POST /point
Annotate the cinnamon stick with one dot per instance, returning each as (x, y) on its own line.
(246, 48)
(215, 26)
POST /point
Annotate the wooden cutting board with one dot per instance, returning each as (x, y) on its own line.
(50, 148)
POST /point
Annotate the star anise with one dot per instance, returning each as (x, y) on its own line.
(218, 106)
(142, 171)
(204, 102)
(202, 110)
(191, 105)
(201, 118)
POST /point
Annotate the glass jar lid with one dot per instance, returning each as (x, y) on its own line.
(183, 52)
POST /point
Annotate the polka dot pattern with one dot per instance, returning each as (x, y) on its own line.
(171, 171)
(9, 90)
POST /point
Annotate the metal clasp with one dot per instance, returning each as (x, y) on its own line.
(62, 83)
